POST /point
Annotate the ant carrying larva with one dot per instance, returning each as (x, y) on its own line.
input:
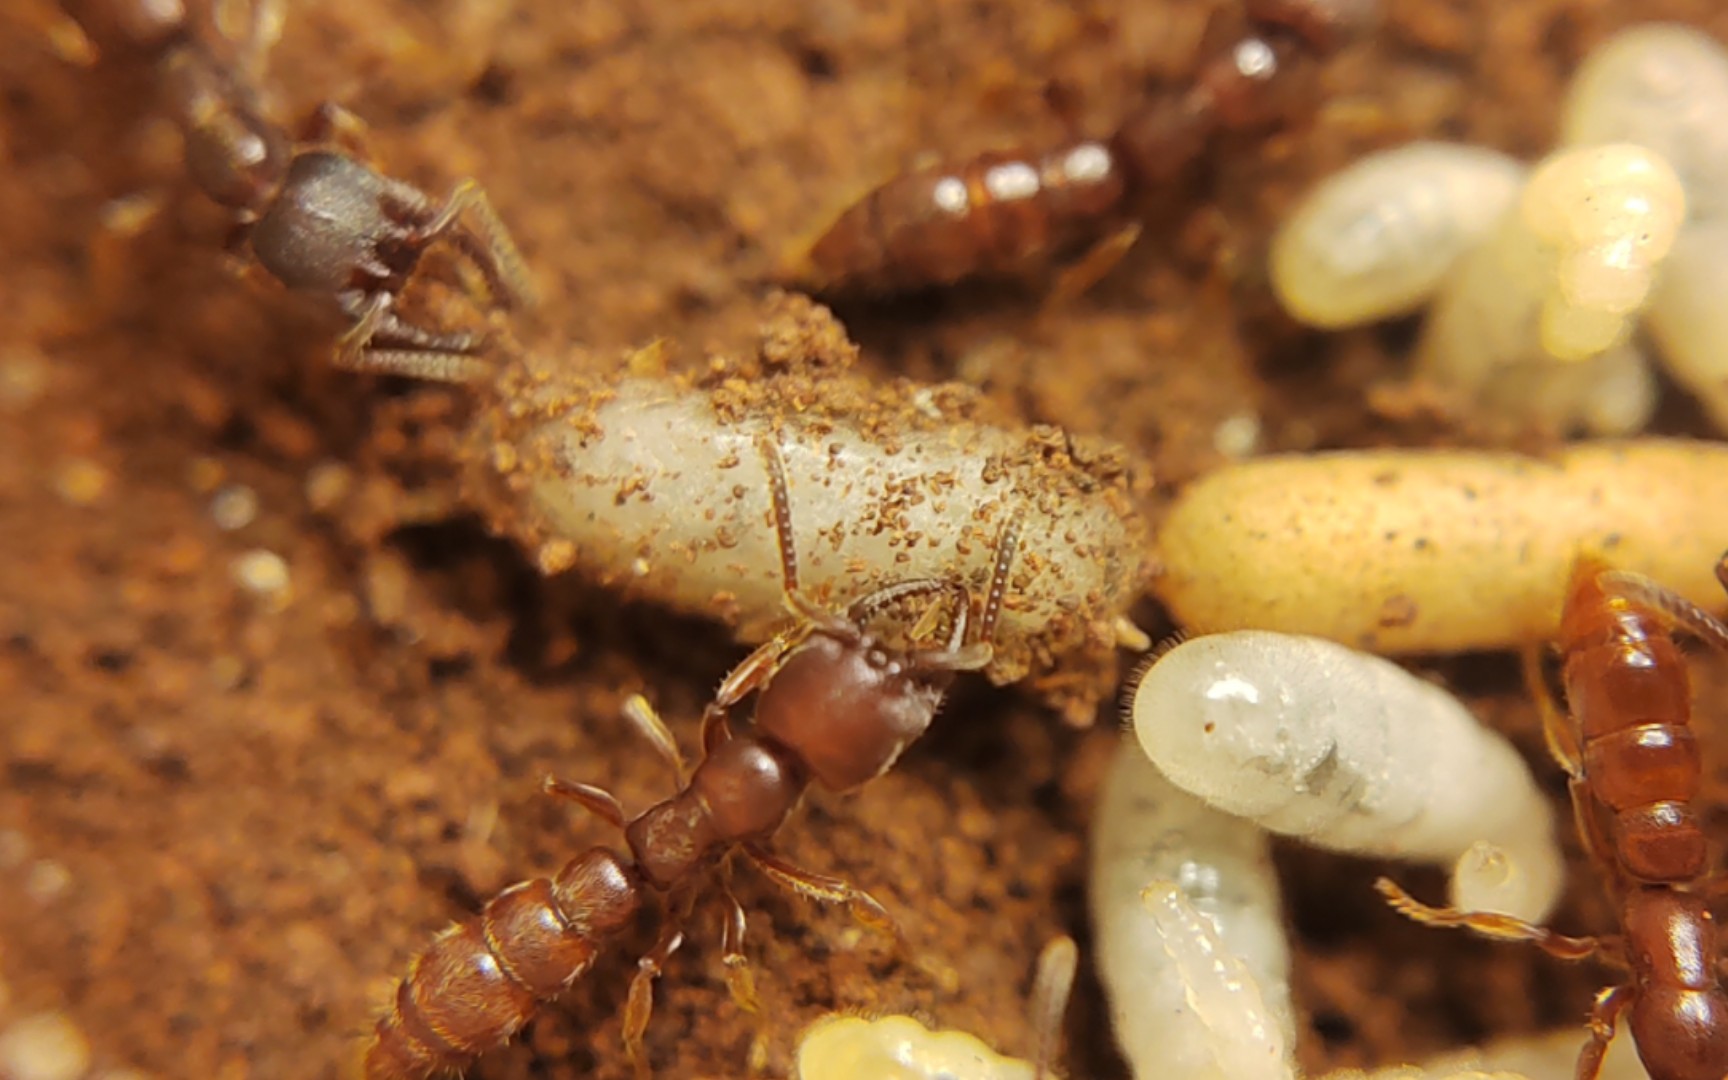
(835, 706)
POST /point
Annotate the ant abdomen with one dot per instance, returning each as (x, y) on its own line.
(482, 979)
(1626, 680)
(1684, 984)
(995, 214)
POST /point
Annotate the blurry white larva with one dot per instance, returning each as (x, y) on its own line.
(1347, 751)
(1189, 936)
(1559, 282)
(1552, 1055)
(1376, 240)
(1665, 87)
(840, 1047)
(1689, 320)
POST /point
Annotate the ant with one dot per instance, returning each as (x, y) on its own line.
(1633, 761)
(835, 705)
(318, 217)
(1003, 212)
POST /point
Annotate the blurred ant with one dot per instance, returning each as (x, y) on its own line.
(1004, 212)
(1635, 774)
(835, 705)
(318, 217)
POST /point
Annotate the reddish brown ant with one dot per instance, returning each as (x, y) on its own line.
(1007, 211)
(1635, 773)
(835, 705)
(317, 217)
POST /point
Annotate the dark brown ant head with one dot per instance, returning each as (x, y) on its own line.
(848, 703)
(331, 228)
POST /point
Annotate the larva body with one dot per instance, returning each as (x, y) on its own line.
(1534, 321)
(1344, 750)
(1664, 87)
(1413, 551)
(899, 1048)
(1377, 239)
(662, 488)
(1190, 939)
(1688, 320)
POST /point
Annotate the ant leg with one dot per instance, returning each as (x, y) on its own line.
(332, 125)
(1077, 278)
(1610, 1002)
(751, 674)
(739, 981)
(825, 889)
(639, 1004)
(1051, 987)
(487, 243)
(596, 800)
(648, 722)
(424, 355)
(1489, 924)
(1556, 724)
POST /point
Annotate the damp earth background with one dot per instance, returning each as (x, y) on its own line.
(229, 815)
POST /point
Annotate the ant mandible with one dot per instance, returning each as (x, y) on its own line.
(317, 216)
(835, 705)
(1633, 761)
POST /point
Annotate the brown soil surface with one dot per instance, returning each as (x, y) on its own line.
(228, 819)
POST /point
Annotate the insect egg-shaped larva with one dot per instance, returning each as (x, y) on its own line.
(669, 489)
(1189, 936)
(1347, 751)
(1375, 240)
(1536, 318)
(1688, 319)
(1665, 87)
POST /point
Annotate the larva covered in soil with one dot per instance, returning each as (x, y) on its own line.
(663, 486)
(1665, 87)
(1347, 751)
(1429, 551)
(1377, 239)
(1189, 935)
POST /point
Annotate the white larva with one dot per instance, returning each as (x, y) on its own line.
(1376, 240)
(839, 1047)
(1347, 751)
(1432, 551)
(1688, 319)
(1189, 936)
(1561, 280)
(899, 1048)
(665, 488)
(1665, 87)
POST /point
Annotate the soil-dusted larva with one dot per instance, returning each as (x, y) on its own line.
(1560, 281)
(664, 486)
(1311, 739)
(1413, 551)
(902, 1048)
(1376, 240)
(1190, 940)
(1687, 318)
(1665, 87)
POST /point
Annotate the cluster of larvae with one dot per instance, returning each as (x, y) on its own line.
(1536, 279)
